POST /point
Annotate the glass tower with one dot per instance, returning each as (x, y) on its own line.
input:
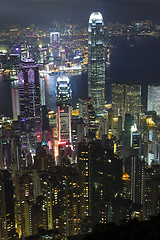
(64, 97)
(153, 100)
(30, 105)
(96, 62)
(118, 100)
(133, 100)
(126, 98)
(15, 99)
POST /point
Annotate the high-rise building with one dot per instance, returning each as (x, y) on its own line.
(83, 164)
(87, 112)
(153, 100)
(64, 97)
(7, 223)
(24, 50)
(54, 37)
(62, 201)
(43, 91)
(118, 100)
(15, 99)
(1, 149)
(106, 175)
(42, 160)
(133, 100)
(77, 131)
(55, 44)
(126, 98)
(149, 193)
(30, 105)
(96, 62)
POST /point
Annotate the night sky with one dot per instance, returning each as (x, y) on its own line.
(45, 11)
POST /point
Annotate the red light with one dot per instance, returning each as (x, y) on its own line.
(61, 143)
(38, 135)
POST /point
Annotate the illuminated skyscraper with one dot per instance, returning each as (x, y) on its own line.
(62, 201)
(87, 112)
(133, 100)
(153, 101)
(55, 44)
(15, 99)
(43, 91)
(83, 163)
(118, 100)
(30, 105)
(54, 37)
(64, 97)
(24, 50)
(135, 141)
(96, 61)
(126, 98)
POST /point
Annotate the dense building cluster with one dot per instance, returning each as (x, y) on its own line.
(63, 172)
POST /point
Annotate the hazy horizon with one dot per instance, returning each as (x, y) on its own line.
(45, 11)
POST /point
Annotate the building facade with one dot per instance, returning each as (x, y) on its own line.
(30, 105)
(126, 99)
(153, 100)
(63, 98)
(96, 61)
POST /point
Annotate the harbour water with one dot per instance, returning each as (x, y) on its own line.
(131, 60)
(79, 85)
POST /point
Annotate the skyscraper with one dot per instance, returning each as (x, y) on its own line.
(118, 105)
(30, 105)
(55, 44)
(64, 97)
(7, 223)
(153, 100)
(87, 112)
(133, 100)
(84, 171)
(126, 98)
(15, 99)
(96, 61)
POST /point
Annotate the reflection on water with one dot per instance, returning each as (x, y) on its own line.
(139, 63)
(79, 87)
(79, 90)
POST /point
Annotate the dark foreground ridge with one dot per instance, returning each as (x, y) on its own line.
(132, 230)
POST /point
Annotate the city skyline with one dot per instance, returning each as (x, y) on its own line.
(81, 151)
